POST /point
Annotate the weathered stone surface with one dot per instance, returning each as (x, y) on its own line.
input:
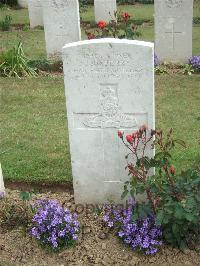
(173, 30)
(2, 187)
(109, 87)
(61, 25)
(104, 10)
(35, 13)
(23, 3)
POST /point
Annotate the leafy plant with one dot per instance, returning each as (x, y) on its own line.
(53, 226)
(9, 2)
(174, 199)
(188, 69)
(13, 62)
(5, 24)
(119, 27)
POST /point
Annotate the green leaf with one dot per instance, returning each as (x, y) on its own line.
(124, 194)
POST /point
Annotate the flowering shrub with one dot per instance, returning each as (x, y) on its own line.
(140, 234)
(119, 27)
(53, 226)
(174, 199)
(195, 62)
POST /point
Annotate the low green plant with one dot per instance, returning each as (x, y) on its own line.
(173, 198)
(6, 23)
(188, 69)
(13, 62)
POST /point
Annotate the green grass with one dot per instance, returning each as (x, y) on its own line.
(33, 129)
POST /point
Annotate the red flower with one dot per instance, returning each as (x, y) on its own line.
(101, 24)
(120, 134)
(129, 138)
(172, 170)
(125, 16)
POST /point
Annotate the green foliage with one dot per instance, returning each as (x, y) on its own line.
(5, 23)
(13, 62)
(188, 69)
(173, 198)
(9, 2)
(196, 20)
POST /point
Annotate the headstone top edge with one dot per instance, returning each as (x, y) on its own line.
(109, 41)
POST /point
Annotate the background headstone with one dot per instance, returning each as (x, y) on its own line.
(35, 13)
(109, 86)
(104, 10)
(23, 3)
(2, 187)
(173, 30)
(61, 25)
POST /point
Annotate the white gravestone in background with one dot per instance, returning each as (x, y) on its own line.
(173, 30)
(23, 3)
(2, 188)
(109, 86)
(35, 13)
(105, 10)
(61, 25)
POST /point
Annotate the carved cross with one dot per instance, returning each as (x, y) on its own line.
(173, 34)
(109, 120)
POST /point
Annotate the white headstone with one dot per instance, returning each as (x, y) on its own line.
(2, 187)
(23, 3)
(105, 10)
(173, 30)
(109, 86)
(61, 25)
(35, 13)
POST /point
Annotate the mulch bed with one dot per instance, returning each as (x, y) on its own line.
(96, 245)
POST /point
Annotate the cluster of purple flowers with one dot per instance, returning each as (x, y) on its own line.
(53, 225)
(156, 60)
(142, 234)
(195, 61)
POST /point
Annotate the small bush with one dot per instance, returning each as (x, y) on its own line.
(173, 198)
(53, 226)
(14, 63)
(6, 23)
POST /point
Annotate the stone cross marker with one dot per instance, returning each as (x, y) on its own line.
(104, 10)
(173, 30)
(109, 86)
(61, 25)
(35, 13)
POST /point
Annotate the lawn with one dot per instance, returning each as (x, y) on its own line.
(33, 126)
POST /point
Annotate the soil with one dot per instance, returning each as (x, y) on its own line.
(96, 245)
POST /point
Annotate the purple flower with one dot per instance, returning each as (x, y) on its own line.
(142, 234)
(156, 60)
(53, 225)
(195, 62)
(2, 195)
